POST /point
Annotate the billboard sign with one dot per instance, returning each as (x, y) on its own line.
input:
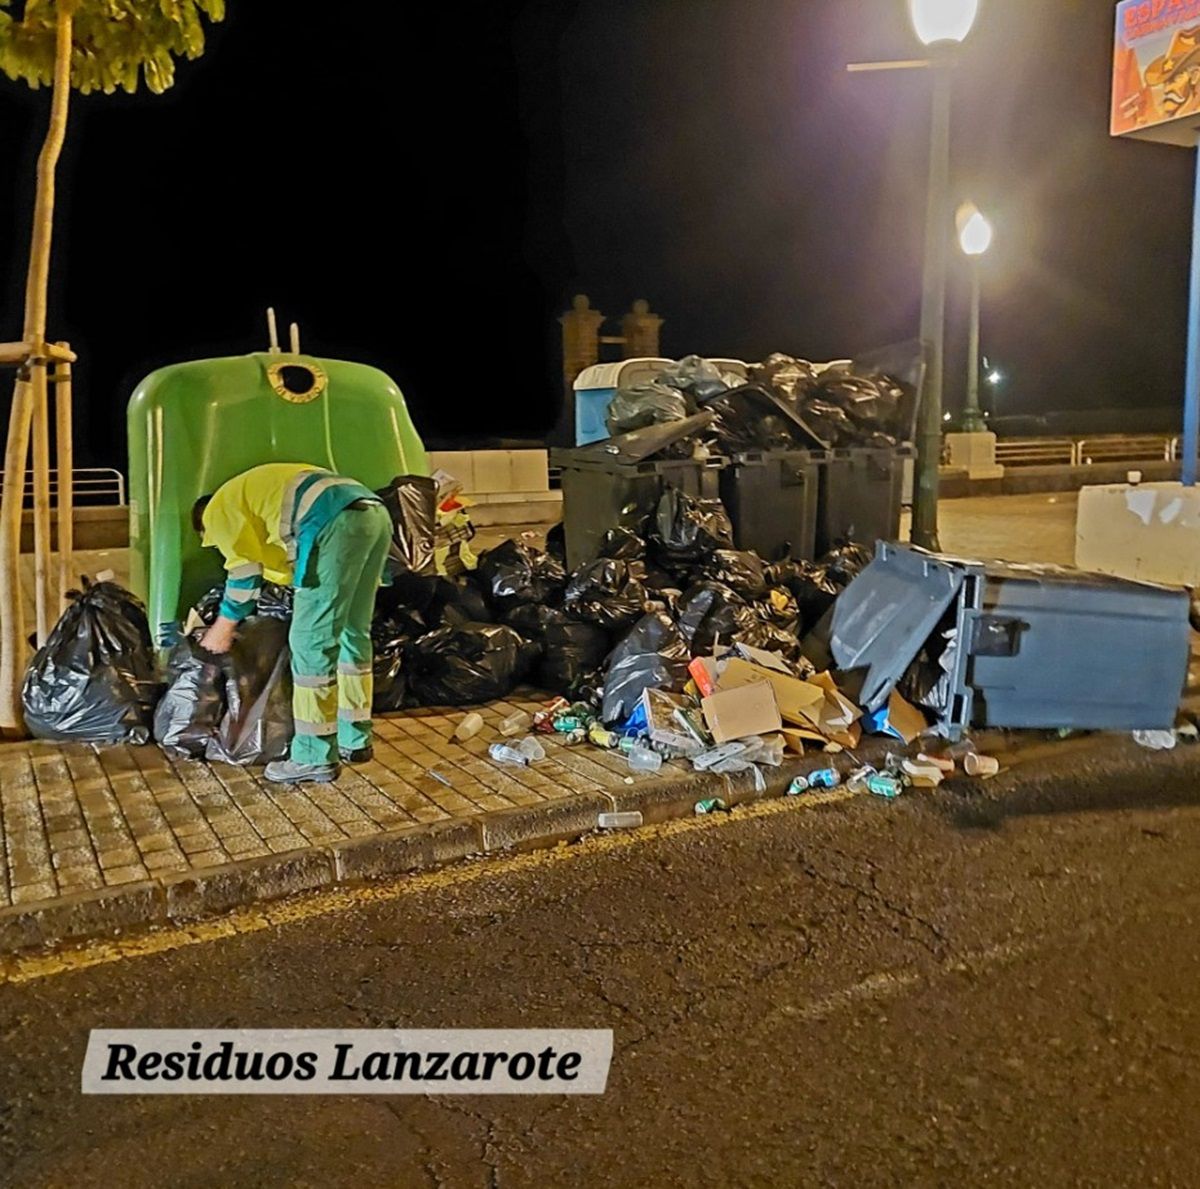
(1156, 71)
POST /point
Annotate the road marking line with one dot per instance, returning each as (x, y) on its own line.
(295, 910)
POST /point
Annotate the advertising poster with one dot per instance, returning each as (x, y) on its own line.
(1156, 71)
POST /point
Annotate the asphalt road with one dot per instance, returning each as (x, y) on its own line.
(955, 989)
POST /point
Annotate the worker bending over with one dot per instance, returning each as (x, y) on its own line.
(327, 536)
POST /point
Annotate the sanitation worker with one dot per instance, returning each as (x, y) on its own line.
(327, 536)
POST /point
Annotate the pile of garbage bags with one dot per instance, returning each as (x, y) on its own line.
(661, 593)
(783, 403)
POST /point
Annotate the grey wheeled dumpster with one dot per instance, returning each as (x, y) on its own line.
(772, 500)
(1016, 646)
(619, 482)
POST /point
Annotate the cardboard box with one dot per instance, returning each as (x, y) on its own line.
(742, 712)
(799, 702)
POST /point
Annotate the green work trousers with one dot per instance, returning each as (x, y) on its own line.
(331, 636)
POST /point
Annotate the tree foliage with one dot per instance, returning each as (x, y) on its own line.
(113, 44)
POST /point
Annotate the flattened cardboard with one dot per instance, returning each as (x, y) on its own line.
(742, 712)
(799, 702)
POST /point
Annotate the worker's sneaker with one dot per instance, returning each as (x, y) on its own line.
(360, 755)
(289, 772)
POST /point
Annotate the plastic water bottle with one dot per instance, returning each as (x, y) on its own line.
(470, 726)
(642, 759)
(502, 753)
(531, 749)
(515, 723)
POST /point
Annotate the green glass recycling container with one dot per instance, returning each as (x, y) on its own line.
(192, 426)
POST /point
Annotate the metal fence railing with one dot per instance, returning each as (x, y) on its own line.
(91, 487)
(1083, 452)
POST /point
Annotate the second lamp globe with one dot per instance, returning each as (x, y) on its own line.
(938, 22)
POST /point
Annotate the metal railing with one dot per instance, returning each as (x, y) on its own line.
(1083, 452)
(91, 487)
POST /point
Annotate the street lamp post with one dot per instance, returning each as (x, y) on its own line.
(941, 25)
(974, 237)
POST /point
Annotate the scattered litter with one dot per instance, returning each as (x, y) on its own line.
(440, 778)
(515, 723)
(985, 767)
(511, 757)
(1156, 740)
(711, 805)
(628, 820)
(531, 749)
(644, 759)
(469, 727)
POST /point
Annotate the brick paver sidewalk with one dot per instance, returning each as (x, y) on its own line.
(80, 824)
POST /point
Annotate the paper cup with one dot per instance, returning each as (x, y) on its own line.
(977, 765)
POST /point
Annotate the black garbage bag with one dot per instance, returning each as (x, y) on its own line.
(411, 501)
(779, 607)
(191, 710)
(556, 543)
(571, 652)
(811, 586)
(687, 531)
(513, 573)
(257, 726)
(604, 592)
(695, 375)
(707, 614)
(845, 563)
(743, 572)
(274, 601)
(788, 377)
(623, 544)
(654, 655)
(388, 638)
(643, 405)
(755, 418)
(466, 664)
(95, 679)
(830, 423)
(757, 630)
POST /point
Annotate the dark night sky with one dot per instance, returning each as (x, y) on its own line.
(425, 188)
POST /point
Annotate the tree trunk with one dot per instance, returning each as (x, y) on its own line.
(12, 628)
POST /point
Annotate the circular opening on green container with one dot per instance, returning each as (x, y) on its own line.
(298, 383)
(297, 379)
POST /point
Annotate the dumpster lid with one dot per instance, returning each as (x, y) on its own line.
(883, 618)
(768, 402)
(622, 373)
(640, 444)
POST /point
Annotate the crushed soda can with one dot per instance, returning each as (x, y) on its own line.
(600, 736)
(798, 786)
(567, 723)
(824, 778)
(880, 785)
(711, 805)
(574, 738)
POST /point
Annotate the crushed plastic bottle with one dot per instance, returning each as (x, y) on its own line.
(511, 757)
(642, 759)
(515, 723)
(531, 749)
(469, 727)
(1156, 740)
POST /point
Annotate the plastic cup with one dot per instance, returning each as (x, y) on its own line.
(469, 727)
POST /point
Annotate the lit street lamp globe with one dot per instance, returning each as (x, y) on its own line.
(974, 231)
(938, 22)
